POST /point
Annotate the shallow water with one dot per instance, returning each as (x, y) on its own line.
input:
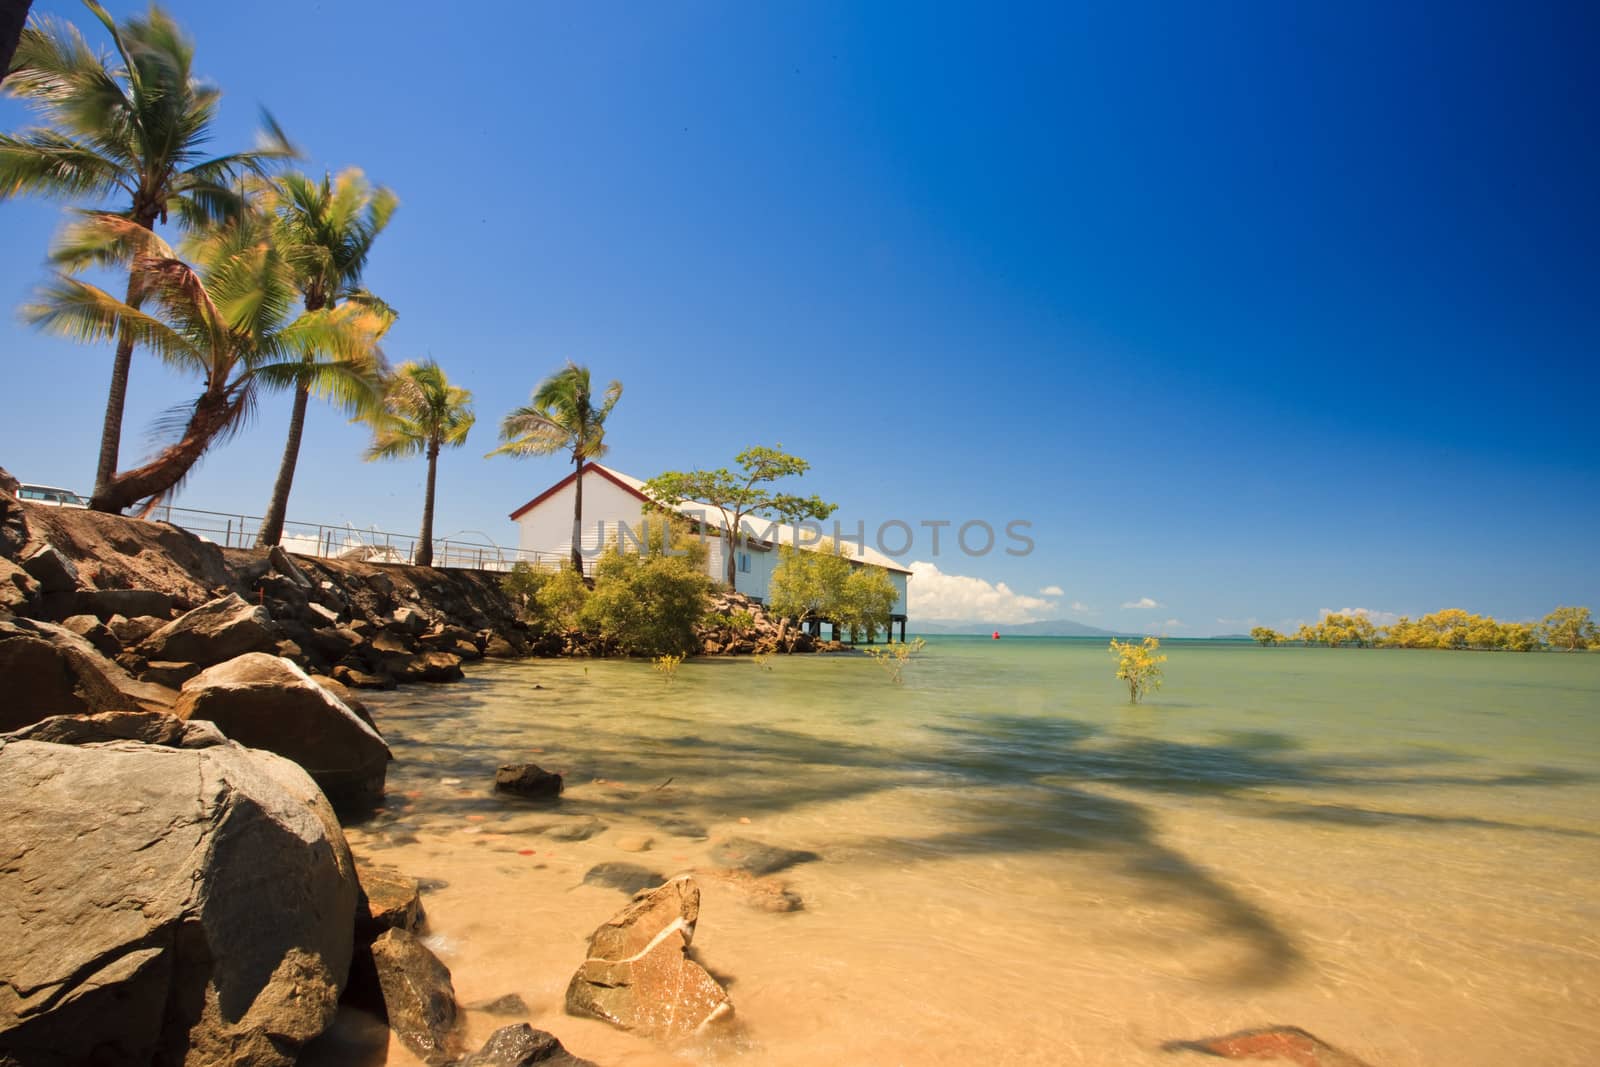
(1398, 851)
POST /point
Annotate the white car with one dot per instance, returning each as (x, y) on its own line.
(51, 496)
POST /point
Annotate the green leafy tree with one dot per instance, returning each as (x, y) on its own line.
(808, 584)
(421, 414)
(647, 603)
(227, 319)
(562, 417)
(1139, 665)
(131, 126)
(324, 231)
(1570, 629)
(867, 601)
(1266, 636)
(749, 491)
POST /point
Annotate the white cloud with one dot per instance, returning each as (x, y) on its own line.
(1164, 628)
(1142, 602)
(1051, 590)
(1081, 608)
(937, 596)
(1377, 618)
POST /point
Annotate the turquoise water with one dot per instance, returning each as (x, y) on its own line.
(1396, 850)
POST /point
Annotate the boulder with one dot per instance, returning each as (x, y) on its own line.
(527, 780)
(499, 646)
(54, 572)
(95, 632)
(520, 1045)
(756, 857)
(147, 727)
(213, 633)
(334, 642)
(133, 631)
(358, 679)
(509, 1004)
(351, 701)
(418, 997)
(407, 620)
(19, 590)
(389, 900)
(164, 672)
(13, 518)
(638, 974)
(266, 702)
(428, 667)
(321, 615)
(49, 670)
(167, 905)
(132, 603)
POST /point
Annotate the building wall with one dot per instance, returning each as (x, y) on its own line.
(547, 529)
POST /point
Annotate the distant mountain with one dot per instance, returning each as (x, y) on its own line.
(1051, 628)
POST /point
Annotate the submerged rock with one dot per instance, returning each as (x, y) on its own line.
(214, 632)
(639, 975)
(527, 780)
(418, 997)
(510, 1004)
(628, 877)
(520, 1045)
(756, 857)
(1287, 1044)
(575, 829)
(166, 905)
(267, 702)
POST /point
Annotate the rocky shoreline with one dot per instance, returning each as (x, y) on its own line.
(180, 739)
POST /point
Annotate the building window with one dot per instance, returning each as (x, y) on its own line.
(744, 562)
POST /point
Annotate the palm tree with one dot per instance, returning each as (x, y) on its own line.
(13, 13)
(562, 418)
(422, 413)
(226, 319)
(135, 130)
(325, 231)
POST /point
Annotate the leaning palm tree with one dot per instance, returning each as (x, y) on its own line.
(562, 418)
(132, 127)
(227, 319)
(325, 231)
(422, 413)
(13, 13)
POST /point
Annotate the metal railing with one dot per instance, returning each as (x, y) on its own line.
(350, 542)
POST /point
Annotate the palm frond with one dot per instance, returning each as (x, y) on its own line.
(105, 239)
(81, 312)
(42, 162)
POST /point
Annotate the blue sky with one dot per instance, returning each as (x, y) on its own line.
(1252, 310)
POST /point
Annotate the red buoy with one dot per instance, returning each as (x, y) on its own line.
(997, 635)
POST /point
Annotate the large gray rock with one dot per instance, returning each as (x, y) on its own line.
(49, 670)
(418, 996)
(214, 632)
(267, 702)
(166, 905)
(390, 900)
(639, 976)
(132, 603)
(147, 727)
(528, 780)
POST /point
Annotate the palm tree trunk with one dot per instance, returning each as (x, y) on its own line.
(272, 525)
(13, 14)
(729, 558)
(213, 412)
(105, 473)
(577, 518)
(424, 556)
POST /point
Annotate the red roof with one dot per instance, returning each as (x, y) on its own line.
(568, 480)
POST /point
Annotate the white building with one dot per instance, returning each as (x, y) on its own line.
(613, 500)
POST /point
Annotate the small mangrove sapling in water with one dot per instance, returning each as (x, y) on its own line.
(894, 656)
(1138, 665)
(668, 665)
